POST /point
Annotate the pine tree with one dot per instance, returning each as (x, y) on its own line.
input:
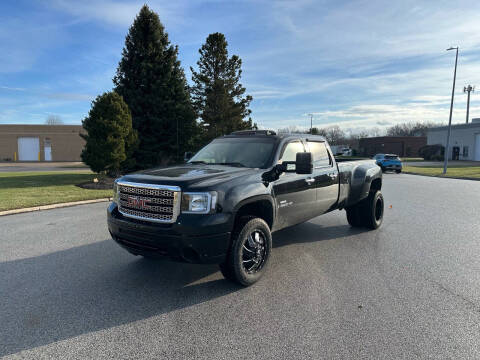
(217, 93)
(110, 139)
(152, 83)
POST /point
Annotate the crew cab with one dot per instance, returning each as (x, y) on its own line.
(224, 203)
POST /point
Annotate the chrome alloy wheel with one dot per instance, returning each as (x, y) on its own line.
(254, 251)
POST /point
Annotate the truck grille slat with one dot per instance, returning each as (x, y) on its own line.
(158, 203)
(150, 200)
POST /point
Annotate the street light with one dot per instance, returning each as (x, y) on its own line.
(468, 89)
(311, 122)
(445, 162)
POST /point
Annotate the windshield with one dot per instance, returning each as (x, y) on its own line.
(248, 152)
(391, 157)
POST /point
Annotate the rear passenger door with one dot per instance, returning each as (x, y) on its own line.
(325, 175)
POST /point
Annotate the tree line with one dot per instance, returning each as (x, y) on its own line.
(336, 136)
(152, 116)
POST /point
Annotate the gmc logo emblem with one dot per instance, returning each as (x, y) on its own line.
(134, 201)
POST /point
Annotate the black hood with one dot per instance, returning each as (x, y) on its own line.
(187, 175)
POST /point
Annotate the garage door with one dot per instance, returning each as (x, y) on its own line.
(477, 147)
(28, 148)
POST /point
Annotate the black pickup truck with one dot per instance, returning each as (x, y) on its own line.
(223, 204)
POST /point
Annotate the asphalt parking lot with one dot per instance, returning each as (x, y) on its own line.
(409, 290)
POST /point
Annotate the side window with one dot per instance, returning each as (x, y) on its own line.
(319, 153)
(291, 150)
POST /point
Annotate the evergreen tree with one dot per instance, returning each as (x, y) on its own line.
(153, 84)
(110, 139)
(217, 93)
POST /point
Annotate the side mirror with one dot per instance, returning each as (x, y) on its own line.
(188, 155)
(304, 163)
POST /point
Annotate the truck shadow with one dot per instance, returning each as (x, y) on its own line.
(92, 287)
(68, 293)
(311, 232)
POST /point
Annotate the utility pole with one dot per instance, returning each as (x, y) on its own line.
(468, 89)
(445, 162)
(311, 123)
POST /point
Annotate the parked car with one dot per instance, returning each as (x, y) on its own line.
(224, 203)
(389, 162)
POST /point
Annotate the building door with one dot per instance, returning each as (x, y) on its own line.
(47, 149)
(477, 147)
(455, 153)
(28, 149)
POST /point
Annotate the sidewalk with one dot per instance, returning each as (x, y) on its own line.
(42, 166)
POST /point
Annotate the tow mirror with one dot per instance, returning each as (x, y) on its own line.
(188, 155)
(304, 163)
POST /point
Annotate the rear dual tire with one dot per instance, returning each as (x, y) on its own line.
(368, 212)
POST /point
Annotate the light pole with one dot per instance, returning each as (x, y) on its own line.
(445, 162)
(468, 89)
(311, 123)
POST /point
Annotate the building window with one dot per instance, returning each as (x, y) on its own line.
(465, 151)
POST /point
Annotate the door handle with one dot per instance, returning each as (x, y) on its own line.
(310, 180)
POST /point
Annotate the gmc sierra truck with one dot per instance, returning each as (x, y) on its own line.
(224, 203)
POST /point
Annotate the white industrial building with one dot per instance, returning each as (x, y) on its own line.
(464, 140)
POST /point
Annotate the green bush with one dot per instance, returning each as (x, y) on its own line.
(432, 152)
(110, 139)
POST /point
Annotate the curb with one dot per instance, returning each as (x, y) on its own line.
(52, 206)
(441, 177)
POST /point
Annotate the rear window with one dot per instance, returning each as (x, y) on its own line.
(391, 157)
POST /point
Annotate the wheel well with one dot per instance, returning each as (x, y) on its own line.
(376, 184)
(262, 209)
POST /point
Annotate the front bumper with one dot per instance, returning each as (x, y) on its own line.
(192, 238)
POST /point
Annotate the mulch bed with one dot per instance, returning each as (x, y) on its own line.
(102, 184)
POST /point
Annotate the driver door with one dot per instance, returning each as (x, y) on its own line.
(295, 194)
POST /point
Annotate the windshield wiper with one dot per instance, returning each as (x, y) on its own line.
(197, 162)
(237, 164)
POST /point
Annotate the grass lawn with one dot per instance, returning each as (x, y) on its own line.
(472, 172)
(27, 189)
(411, 159)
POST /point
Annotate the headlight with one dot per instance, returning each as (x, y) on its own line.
(115, 197)
(199, 203)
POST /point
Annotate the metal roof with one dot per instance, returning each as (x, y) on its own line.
(456, 126)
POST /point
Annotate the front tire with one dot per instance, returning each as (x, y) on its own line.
(398, 171)
(249, 252)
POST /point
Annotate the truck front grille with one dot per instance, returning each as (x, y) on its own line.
(158, 203)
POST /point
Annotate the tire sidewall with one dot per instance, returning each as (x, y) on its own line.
(241, 275)
(374, 223)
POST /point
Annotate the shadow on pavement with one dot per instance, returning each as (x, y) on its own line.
(92, 287)
(311, 232)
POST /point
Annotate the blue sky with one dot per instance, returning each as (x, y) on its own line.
(358, 64)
